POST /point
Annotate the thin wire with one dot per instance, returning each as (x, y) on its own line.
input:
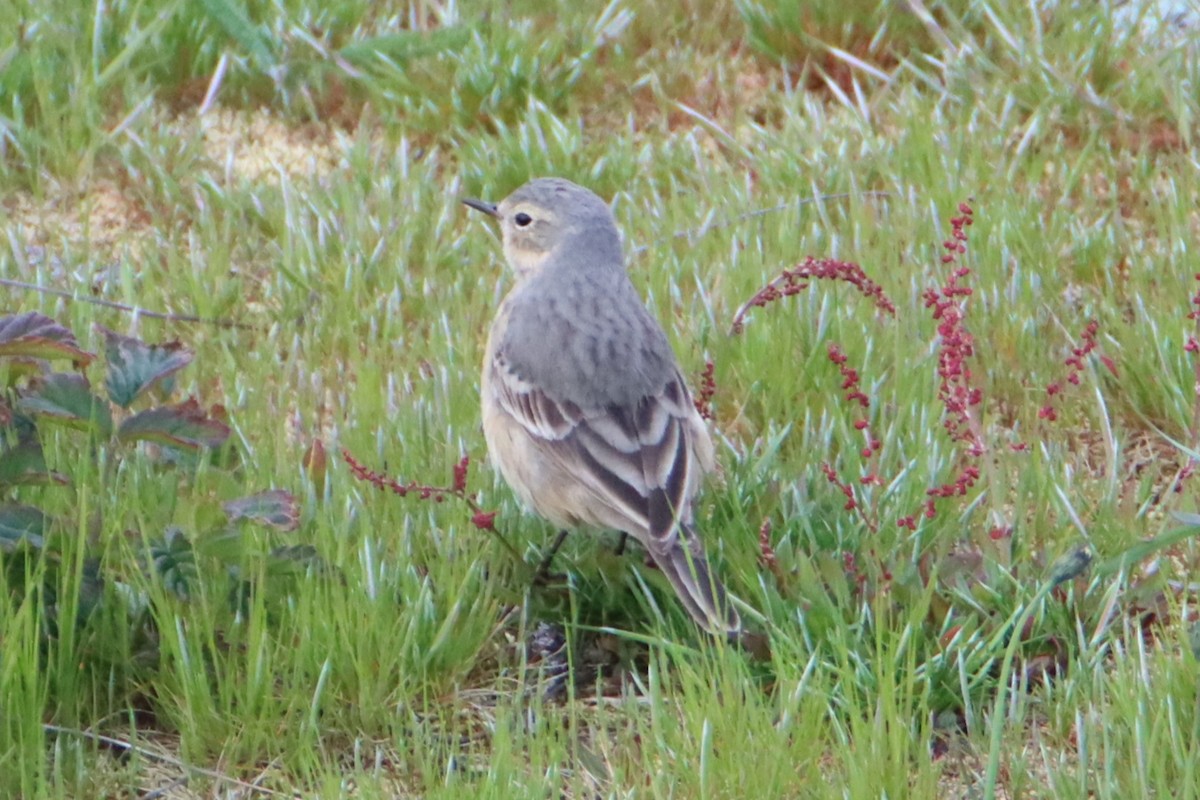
(139, 311)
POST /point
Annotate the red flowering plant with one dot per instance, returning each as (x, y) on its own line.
(978, 559)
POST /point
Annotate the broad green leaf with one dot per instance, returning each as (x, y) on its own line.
(66, 397)
(174, 560)
(17, 368)
(34, 334)
(232, 18)
(21, 525)
(182, 425)
(134, 366)
(91, 588)
(296, 559)
(276, 508)
(404, 45)
(21, 459)
(228, 545)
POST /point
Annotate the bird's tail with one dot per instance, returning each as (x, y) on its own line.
(701, 593)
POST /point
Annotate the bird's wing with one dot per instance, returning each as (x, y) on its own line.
(642, 463)
(637, 459)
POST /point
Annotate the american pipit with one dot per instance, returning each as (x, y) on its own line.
(585, 412)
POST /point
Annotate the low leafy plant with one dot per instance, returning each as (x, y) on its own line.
(135, 418)
(36, 395)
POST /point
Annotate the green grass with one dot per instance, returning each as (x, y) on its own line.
(396, 662)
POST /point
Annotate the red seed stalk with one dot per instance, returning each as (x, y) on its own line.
(708, 388)
(1075, 365)
(1192, 347)
(958, 395)
(795, 280)
(484, 520)
(767, 557)
(955, 389)
(854, 395)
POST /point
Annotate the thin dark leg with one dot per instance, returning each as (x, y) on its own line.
(620, 551)
(542, 575)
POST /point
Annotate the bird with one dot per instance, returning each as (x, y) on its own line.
(586, 413)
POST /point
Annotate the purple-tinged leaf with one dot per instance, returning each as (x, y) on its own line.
(182, 425)
(21, 525)
(34, 334)
(276, 508)
(135, 366)
(66, 398)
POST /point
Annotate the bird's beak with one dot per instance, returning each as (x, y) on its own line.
(479, 205)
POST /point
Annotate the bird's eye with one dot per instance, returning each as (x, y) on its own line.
(522, 219)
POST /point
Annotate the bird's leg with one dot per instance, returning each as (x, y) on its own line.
(542, 576)
(620, 550)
